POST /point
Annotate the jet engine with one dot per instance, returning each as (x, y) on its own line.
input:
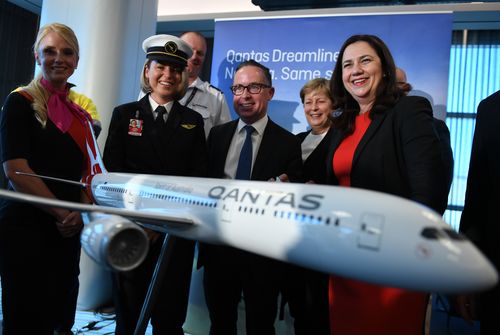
(113, 241)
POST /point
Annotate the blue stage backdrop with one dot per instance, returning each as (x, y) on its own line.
(299, 49)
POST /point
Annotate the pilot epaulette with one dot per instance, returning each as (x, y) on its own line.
(216, 88)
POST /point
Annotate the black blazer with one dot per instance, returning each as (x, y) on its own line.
(399, 154)
(314, 167)
(279, 152)
(446, 150)
(480, 216)
(178, 149)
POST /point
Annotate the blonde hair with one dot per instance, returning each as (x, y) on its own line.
(34, 88)
(146, 88)
(317, 84)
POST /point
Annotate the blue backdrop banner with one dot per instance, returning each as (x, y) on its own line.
(299, 49)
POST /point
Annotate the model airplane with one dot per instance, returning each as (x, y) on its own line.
(354, 233)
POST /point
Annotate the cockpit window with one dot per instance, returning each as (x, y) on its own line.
(454, 235)
(436, 233)
(432, 233)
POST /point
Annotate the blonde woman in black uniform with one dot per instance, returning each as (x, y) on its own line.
(43, 132)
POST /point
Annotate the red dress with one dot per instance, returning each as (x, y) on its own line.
(359, 308)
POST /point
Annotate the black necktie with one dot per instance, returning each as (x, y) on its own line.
(245, 161)
(160, 111)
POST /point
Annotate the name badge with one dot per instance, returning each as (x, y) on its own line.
(135, 127)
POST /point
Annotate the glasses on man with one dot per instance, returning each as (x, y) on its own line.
(254, 88)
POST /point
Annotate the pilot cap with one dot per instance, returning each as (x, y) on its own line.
(167, 48)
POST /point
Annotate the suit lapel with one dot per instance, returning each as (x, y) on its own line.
(157, 142)
(335, 141)
(146, 114)
(338, 137)
(370, 132)
(173, 121)
(223, 148)
(266, 149)
(324, 144)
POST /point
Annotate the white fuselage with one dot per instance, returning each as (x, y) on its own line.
(355, 233)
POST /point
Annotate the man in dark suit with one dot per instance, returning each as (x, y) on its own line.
(439, 125)
(157, 135)
(251, 147)
(480, 216)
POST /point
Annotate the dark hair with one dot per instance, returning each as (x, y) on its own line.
(251, 62)
(387, 92)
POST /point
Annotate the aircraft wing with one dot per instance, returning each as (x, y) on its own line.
(152, 218)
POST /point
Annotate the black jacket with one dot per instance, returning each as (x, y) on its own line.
(399, 154)
(178, 149)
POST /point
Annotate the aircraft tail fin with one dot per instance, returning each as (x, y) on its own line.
(96, 164)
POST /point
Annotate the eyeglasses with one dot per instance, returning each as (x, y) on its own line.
(253, 88)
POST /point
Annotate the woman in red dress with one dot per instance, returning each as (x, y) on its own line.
(385, 142)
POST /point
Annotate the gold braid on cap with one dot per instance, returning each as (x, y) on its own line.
(170, 48)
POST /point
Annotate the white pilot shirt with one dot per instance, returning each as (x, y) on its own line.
(209, 102)
(154, 105)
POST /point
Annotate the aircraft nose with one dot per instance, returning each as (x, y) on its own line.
(468, 269)
(463, 267)
(478, 270)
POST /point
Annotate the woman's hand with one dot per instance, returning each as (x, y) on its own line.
(70, 225)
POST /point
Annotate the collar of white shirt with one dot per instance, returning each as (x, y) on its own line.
(198, 83)
(154, 105)
(259, 125)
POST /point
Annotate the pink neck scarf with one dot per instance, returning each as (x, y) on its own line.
(61, 111)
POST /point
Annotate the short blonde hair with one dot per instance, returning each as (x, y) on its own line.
(317, 84)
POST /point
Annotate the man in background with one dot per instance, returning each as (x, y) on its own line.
(441, 129)
(480, 216)
(200, 96)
